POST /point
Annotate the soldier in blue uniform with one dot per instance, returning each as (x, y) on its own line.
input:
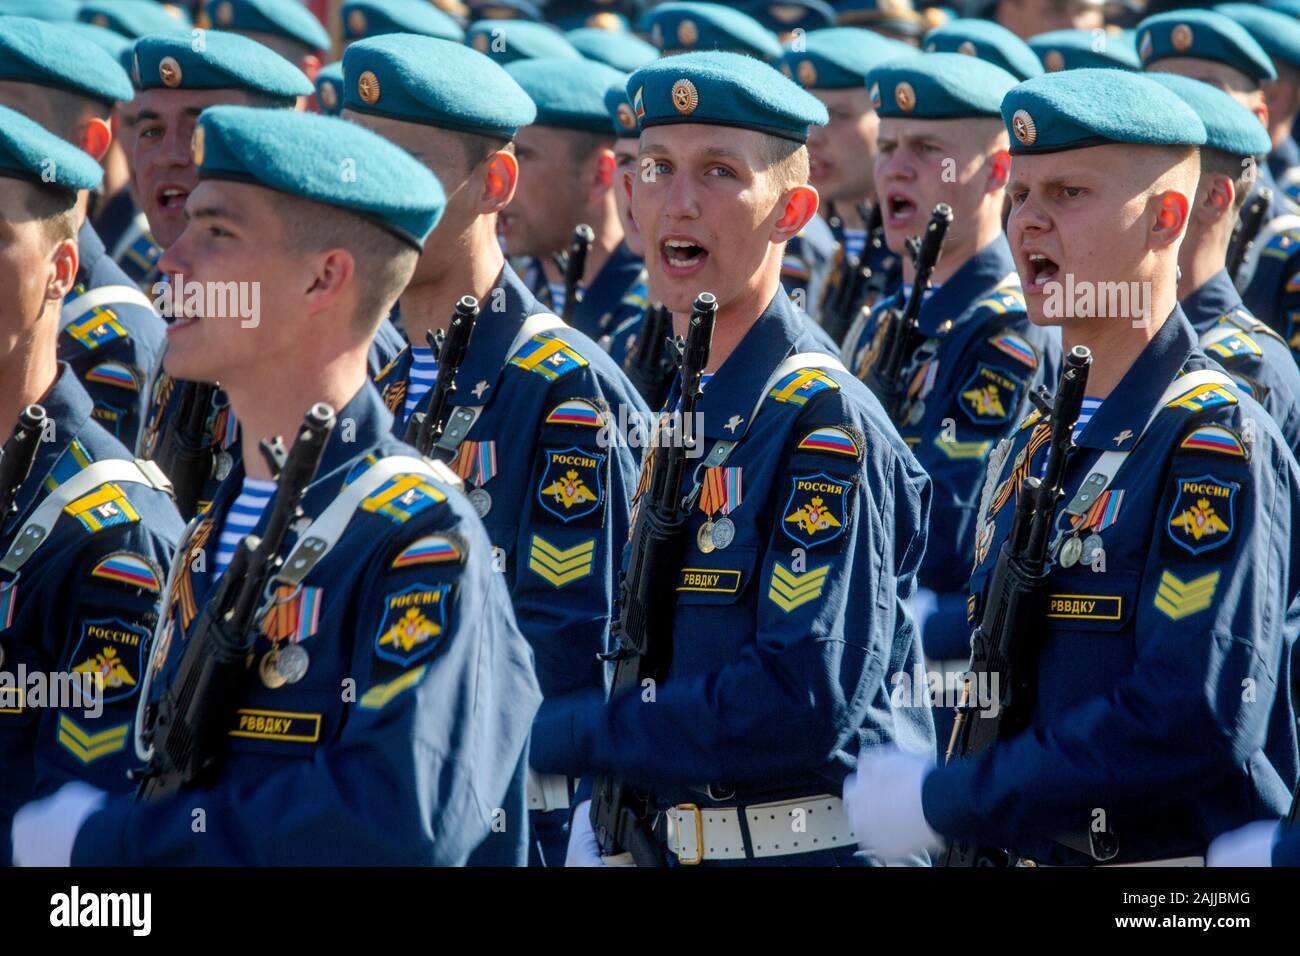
(110, 334)
(810, 518)
(989, 42)
(1262, 843)
(1252, 353)
(1160, 711)
(535, 401)
(177, 82)
(896, 19)
(285, 26)
(372, 18)
(621, 326)
(620, 50)
(1083, 49)
(400, 687)
(83, 553)
(687, 27)
(135, 18)
(978, 356)
(832, 64)
(507, 41)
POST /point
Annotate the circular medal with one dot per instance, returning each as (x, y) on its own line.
(481, 500)
(724, 532)
(704, 538)
(291, 663)
(266, 669)
(1070, 552)
(916, 412)
(1092, 546)
(221, 468)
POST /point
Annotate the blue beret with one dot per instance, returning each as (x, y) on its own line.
(50, 54)
(134, 18)
(989, 42)
(894, 16)
(1229, 126)
(569, 94)
(114, 44)
(436, 82)
(676, 27)
(1076, 109)
(1291, 7)
(329, 88)
(227, 61)
(505, 10)
(509, 40)
(723, 89)
(54, 11)
(31, 152)
(621, 115)
(785, 16)
(1202, 35)
(301, 154)
(1278, 33)
(1078, 49)
(622, 51)
(839, 58)
(938, 86)
(372, 18)
(612, 15)
(289, 19)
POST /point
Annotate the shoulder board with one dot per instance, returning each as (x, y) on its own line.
(133, 570)
(1282, 244)
(832, 440)
(402, 497)
(74, 458)
(105, 507)
(549, 356)
(1202, 397)
(1234, 346)
(1016, 347)
(114, 373)
(801, 385)
(143, 252)
(1004, 299)
(393, 364)
(96, 329)
(1215, 439)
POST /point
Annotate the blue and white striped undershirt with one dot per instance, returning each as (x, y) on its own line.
(557, 296)
(242, 518)
(423, 374)
(855, 240)
(1086, 411)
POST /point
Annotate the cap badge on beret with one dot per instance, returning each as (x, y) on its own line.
(1144, 45)
(1181, 38)
(224, 14)
(625, 117)
(968, 48)
(605, 21)
(807, 73)
(99, 20)
(1054, 61)
(687, 33)
(368, 88)
(196, 145)
(169, 71)
(481, 42)
(357, 22)
(1022, 124)
(875, 96)
(905, 97)
(329, 96)
(685, 97)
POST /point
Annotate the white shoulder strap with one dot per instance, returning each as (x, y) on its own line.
(324, 532)
(533, 325)
(103, 295)
(36, 529)
(1271, 229)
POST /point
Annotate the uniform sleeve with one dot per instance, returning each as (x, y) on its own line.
(830, 623)
(430, 741)
(1194, 708)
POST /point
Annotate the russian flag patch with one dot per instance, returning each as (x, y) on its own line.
(834, 440)
(129, 569)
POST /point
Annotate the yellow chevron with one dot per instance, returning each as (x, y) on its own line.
(789, 590)
(90, 747)
(1177, 599)
(561, 566)
(963, 450)
(378, 696)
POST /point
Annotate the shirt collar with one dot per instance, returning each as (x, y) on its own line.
(490, 342)
(1124, 414)
(977, 275)
(1212, 301)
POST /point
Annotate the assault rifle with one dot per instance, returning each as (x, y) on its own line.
(185, 452)
(17, 457)
(575, 264)
(1248, 226)
(425, 428)
(649, 366)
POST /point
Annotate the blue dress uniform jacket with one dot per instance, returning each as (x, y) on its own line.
(604, 302)
(223, 429)
(971, 380)
(1161, 689)
(559, 495)
(1270, 279)
(784, 641)
(115, 347)
(1251, 352)
(1286, 852)
(402, 743)
(85, 601)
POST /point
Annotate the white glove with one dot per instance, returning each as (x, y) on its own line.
(1251, 845)
(883, 802)
(583, 848)
(44, 831)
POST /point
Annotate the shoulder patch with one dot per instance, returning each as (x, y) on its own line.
(1177, 599)
(1017, 347)
(1214, 438)
(548, 356)
(1203, 397)
(1235, 345)
(830, 439)
(576, 411)
(990, 396)
(113, 649)
(963, 450)
(817, 510)
(379, 695)
(130, 569)
(89, 747)
(801, 385)
(789, 590)
(1202, 515)
(572, 483)
(105, 507)
(561, 566)
(115, 374)
(402, 497)
(1003, 300)
(414, 618)
(431, 549)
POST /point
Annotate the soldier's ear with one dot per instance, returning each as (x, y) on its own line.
(96, 137)
(1172, 209)
(604, 169)
(310, 64)
(1217, 201)
(63, 275)
(500, 177)
(800, 206)
(335, 277)
(1000, 170)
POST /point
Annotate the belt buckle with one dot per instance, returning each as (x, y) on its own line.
(698, 858)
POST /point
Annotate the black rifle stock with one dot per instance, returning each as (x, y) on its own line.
(194, 714)
(885, 378)
(1248, 226)
(17, 457)
(575, 264)
(185, 452)
(649, 366)
(424, 430)
(1005, 641)
(622, 817)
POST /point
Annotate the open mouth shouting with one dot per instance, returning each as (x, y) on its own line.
(900, 210)
(170, 196)
(1039, 270)
(682, 256)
